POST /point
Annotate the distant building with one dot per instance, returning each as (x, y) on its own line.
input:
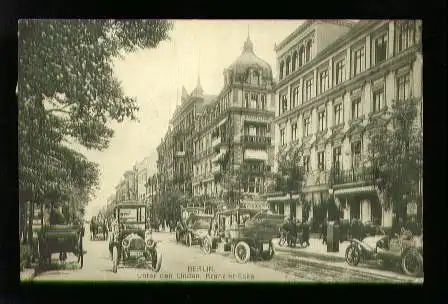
(336, 79)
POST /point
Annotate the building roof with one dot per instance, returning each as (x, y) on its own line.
(248, 59)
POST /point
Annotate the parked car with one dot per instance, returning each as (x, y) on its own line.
(131, 240)
(251, 238)
(194, 229)
(404, 251)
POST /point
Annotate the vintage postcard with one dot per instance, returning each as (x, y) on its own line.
(221, 150)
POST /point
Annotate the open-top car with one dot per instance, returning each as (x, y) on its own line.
(405, 251)
(249, 236)
(194, 229)
(131, 240)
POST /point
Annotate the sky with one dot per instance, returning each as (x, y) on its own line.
(155, 78)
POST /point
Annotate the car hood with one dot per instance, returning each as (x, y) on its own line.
(201, 232)
(133, 236)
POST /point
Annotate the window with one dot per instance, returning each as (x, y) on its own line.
(282, 66)
(282, 136)
(306, 163)
(255, 77)
(338, 114)
(359, 61)
(339, 71)
(284, 104)
(294, 61)
(308, 50)
(288, 65)
(356, 108)
(378, 100)
(337, 158)
(308, 89)
(246, 100)
(295, 97)
(301, 55)
(254, 101)
(404, 35)
(403, 87)
(380, 49)
(321, 121)
(294, 131)
(323, 81)
(263, 102)
(356, 154)
(321, 160)
(306, 126)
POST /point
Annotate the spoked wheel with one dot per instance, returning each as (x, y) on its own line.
(189, 240)
(156, 259)
(81, 252)
(242, 252)
(412, 263)
(352, 255)
(207, 245)
(270, 254)
(114, 259)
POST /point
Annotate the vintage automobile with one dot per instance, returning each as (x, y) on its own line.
(131, 240)
(405, 251)
(249, 236)
(195, 229)
(60, 239)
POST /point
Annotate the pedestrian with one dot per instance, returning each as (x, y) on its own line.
(323, 232)
(305, 234)
(292, 232)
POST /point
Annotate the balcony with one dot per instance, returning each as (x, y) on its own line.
(180, 153)
(256, 140)
(316, 178)
(259, 155)
(352, 176)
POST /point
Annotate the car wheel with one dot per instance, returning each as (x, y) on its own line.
(115, 259)
(156, 262)
(412, 263)
(189, 240)
(352, 255)
(207, 245)
(242, 252)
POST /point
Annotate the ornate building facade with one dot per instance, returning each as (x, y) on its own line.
(336, 80)
(233, 132)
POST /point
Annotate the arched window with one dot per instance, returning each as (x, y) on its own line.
(294, 61)
(282, 66)
(308, 51)
(288, 65)
(301, 55)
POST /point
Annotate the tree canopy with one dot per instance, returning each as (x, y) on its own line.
(67, 92)
(396, 153)
(290, 175)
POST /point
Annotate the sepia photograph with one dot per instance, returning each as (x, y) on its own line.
(220, 150)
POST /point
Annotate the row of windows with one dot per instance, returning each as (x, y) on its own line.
(378, 102)
(211, 114)
(356, 158)
(298, 59)
(404, 38)
(256, 101)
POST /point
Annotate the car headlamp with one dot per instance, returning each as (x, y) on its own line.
(126, 243)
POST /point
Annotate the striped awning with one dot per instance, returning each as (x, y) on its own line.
(354, 190)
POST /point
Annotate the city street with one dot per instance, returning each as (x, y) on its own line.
(181, 263)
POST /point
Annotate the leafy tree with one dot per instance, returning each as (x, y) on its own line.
(67, 92)
(396, 154)
(290, 176)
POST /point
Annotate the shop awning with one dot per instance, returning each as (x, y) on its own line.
(354, 190)
(255, 155)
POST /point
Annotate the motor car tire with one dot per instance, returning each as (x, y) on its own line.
(418, 259)
(349, 258)
(242, 245)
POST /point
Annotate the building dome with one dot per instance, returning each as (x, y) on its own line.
(248, 60)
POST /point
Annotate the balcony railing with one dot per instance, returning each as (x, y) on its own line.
(353, 176)
(254, 139)
(316, 177)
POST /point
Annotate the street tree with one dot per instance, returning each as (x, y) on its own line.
(396, 154)
(67, 92)
(290, 176)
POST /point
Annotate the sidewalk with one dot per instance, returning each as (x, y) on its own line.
(316, 250)
(27, 274)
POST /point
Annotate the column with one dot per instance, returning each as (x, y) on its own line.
(417, 74)
(347, 109)
(300, 101)
(365, 210)
(387, 218)
(390, 88)
(347, 210)
(299, 213)
(314, 83)
(391, 39)
(367, 99)
(314, 121)
(300, 127)
(288, 131)
(368, 49)
(287, 208)
(330, 114)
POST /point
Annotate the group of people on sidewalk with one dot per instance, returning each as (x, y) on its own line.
(295, 232)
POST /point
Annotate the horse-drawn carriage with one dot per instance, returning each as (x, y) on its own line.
(60, 239)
